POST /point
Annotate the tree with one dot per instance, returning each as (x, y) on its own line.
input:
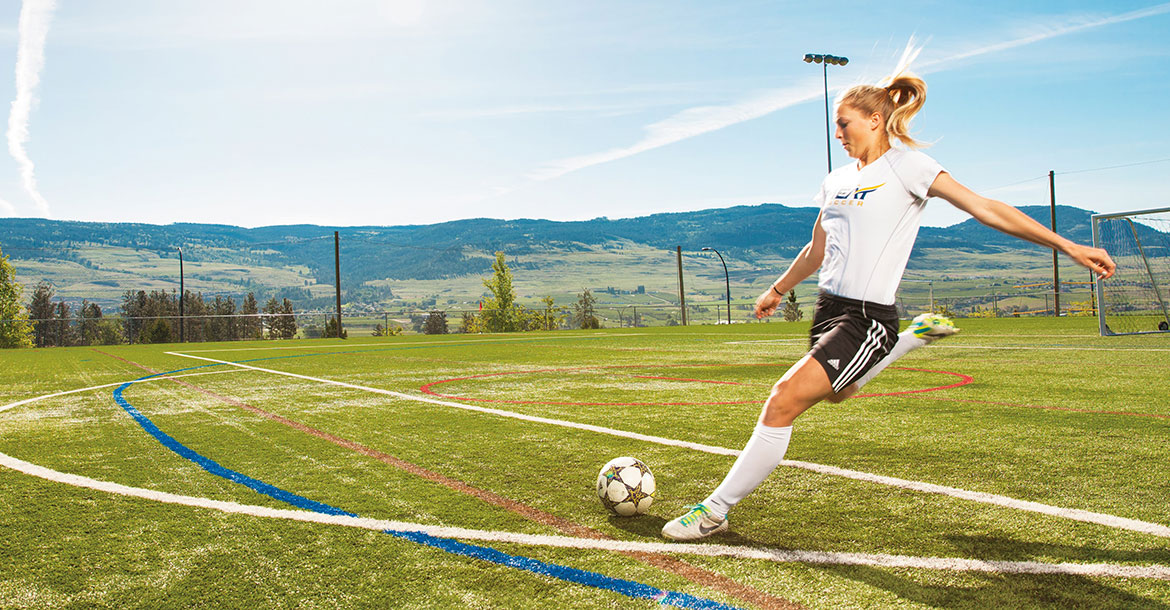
(251, 327)
(223, 326)
(470, 323)
(792, 311)
(288, 320)
(15, 330)
(552, 317)
(583, 311)
(436, 323)
(392, 330)
(331, 328)
(194, 317)
(271, 322)
(109, 332)
(41, 311)
(499, 310)
(133, 308)
(89, 319)
(157, 332)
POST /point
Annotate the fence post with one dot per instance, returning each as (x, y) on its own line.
(682, 299)
(1055, 269)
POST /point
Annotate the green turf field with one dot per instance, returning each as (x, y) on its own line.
(1065, 434)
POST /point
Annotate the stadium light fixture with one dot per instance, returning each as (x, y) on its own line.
(726, 279)
(825, 60)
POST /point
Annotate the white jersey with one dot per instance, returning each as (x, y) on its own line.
(871, 217)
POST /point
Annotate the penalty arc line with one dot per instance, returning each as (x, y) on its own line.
(1160, 572)
(1074, 514)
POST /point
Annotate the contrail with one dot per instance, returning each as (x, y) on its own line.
(30, 58)
(697, 121)
(688, 124)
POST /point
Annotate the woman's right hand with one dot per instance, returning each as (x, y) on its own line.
(767, 303)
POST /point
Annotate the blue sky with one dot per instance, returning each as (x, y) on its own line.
(386, 112)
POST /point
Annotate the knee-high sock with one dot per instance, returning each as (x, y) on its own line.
(907, 343)
(759, 458)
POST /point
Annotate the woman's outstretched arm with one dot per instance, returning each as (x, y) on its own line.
(1007, 219)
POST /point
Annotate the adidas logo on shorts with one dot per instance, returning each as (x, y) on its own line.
(835, 363)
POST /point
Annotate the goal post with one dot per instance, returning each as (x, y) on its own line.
(1133, 300)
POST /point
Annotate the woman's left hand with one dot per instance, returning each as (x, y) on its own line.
(1093, 259)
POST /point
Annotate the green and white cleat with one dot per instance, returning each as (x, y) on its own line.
(931, 326)
(698, 522)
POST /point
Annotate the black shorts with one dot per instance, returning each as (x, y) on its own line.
(848, 337)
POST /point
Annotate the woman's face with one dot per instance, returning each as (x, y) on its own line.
(858, 133)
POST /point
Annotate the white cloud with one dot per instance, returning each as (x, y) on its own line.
(30, 59)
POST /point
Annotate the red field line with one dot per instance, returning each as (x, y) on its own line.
(693, 573)
(1054, 408)
(427, 388)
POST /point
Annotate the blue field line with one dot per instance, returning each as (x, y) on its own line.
(583, 577)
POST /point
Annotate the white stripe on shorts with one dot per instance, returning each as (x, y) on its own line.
(873, 340)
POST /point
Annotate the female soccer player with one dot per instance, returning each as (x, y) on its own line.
(861, 242)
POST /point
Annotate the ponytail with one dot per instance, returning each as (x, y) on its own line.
(908, 94)
(897, 102)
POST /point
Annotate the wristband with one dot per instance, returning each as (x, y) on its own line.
(776, 291)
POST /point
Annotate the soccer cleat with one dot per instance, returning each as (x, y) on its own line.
(698, 522)
(931, 326)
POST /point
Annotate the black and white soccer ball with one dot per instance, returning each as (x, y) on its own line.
(626, 486)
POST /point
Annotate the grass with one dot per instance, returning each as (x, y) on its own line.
(1054, 415)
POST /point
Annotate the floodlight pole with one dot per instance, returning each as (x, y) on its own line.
(825, 60)
(828, 121)
(182, 292)
(337, 277)
(726, 279)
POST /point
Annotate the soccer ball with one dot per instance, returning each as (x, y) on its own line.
(626, 487)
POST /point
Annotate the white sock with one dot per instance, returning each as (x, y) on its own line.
(759, 458)
(907, 343)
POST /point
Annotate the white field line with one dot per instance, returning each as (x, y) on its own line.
(532, 418)
(412, 344)
(1075, 514)
(711, 550)
(776, 555)
(1055, 348)
(107, 385)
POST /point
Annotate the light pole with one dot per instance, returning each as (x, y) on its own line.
(181, 291)
(825, 60)
(726, 279)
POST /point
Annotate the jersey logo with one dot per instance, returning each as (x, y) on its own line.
(854, 196)
(835, 363)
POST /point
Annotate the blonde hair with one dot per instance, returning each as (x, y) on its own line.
(897, 102)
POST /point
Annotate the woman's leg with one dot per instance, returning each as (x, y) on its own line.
(804, 385)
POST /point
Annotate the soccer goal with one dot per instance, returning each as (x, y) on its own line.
(1133, 301)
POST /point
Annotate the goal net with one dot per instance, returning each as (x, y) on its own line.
(1134, 300)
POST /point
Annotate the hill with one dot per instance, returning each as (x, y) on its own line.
(100, 260)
